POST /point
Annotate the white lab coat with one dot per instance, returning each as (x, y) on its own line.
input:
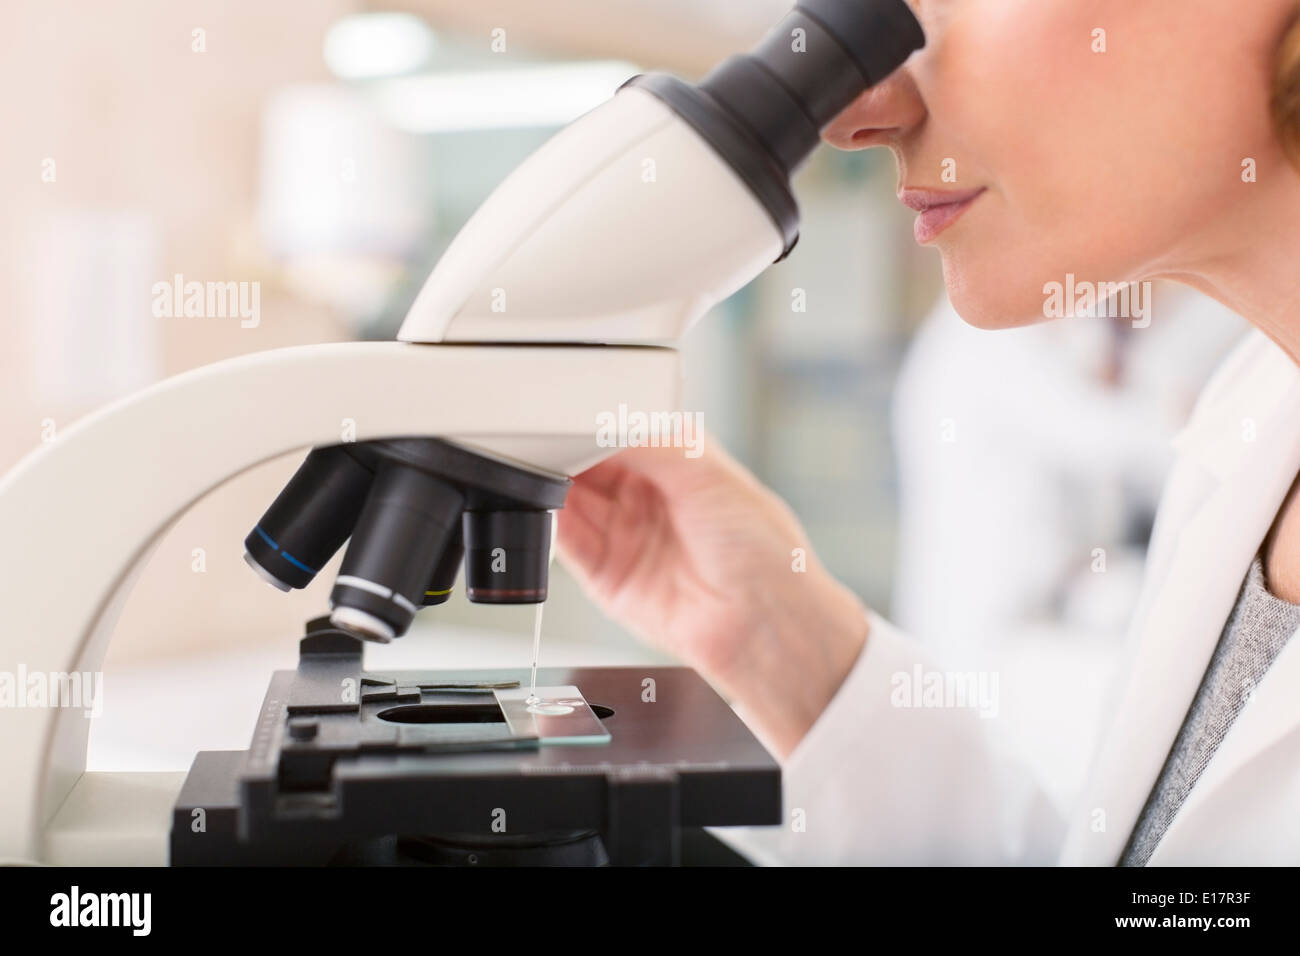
(877, 783)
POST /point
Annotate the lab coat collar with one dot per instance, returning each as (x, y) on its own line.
(1251, 391)
(1245, 436)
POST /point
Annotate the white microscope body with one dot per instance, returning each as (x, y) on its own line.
(559, 301)
(577, 224)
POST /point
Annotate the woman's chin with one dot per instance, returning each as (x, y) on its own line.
(993, 305)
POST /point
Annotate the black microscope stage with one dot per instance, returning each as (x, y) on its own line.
(424, 767)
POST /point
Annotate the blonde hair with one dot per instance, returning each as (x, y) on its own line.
(1285, 104)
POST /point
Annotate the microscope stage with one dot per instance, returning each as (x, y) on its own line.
(341, 757)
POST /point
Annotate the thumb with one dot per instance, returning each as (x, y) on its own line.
(581, 539)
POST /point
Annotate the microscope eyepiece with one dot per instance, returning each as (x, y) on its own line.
(810, 67)
(879, 36)
(763, 111)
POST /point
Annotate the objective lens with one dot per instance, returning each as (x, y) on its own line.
(507, 555)
(310, 519)
(444, 576)
(408, 520)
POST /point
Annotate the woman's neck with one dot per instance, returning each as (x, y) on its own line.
(1256, 273)
(1254, 268)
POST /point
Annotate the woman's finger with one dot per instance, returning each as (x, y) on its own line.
(604, 477)
(580, 542)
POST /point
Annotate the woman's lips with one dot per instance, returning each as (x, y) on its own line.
(938, 209)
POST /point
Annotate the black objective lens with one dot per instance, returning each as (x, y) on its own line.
(310, 519)
(443, 581)
(507, 554)
(408, 520)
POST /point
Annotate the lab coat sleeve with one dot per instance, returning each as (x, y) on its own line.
(876, 781)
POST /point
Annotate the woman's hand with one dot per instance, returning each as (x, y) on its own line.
(700, 560)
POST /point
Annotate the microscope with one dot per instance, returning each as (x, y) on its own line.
(560, 300)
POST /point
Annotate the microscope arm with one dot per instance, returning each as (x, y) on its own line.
(82, 514)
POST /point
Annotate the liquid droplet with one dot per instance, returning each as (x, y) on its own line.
(549, 708)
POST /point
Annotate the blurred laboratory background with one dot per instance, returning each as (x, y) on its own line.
(991, 491)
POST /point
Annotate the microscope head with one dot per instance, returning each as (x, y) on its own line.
(621, 231)
(636, 219)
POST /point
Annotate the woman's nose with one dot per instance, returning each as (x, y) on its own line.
(879, 116)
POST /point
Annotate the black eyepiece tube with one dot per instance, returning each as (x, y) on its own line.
(879, 34)
(812, 65)
(763, 112)
(310, 519)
